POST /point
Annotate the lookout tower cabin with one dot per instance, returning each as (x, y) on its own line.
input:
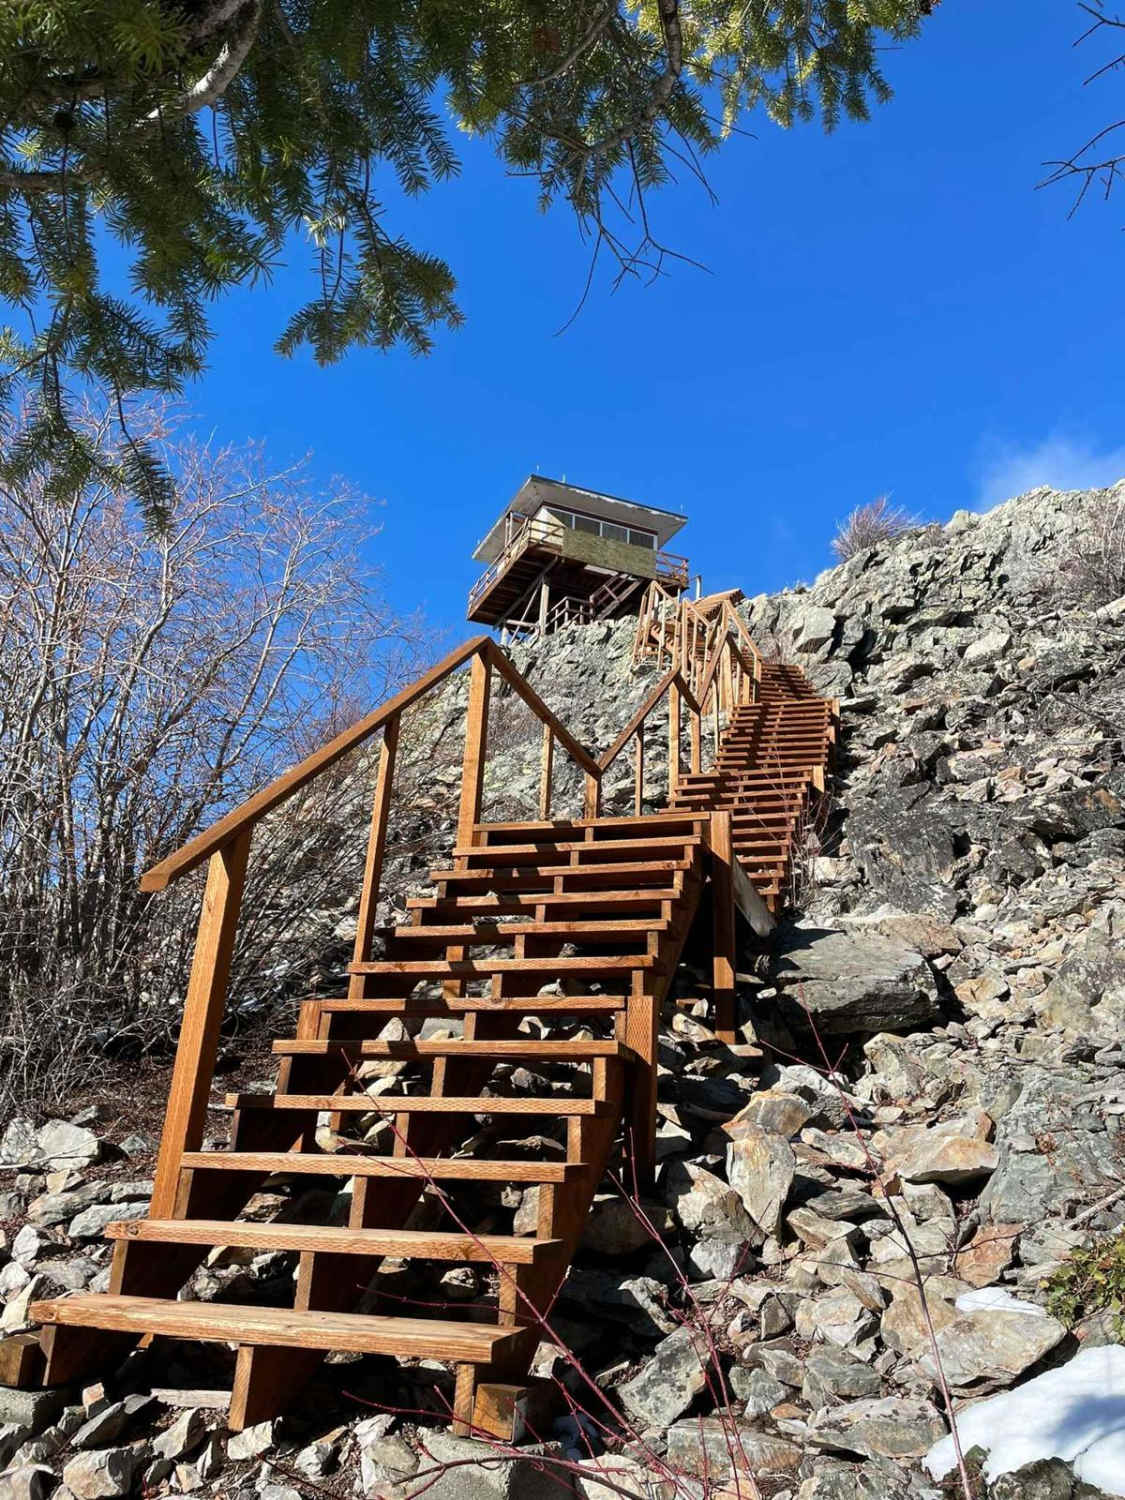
(560, 555)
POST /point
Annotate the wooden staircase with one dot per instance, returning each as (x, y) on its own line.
(770, 767)
(505, 1034)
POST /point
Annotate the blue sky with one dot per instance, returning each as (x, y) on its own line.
(891, 308)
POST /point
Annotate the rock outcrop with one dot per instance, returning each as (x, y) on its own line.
(858, 1204)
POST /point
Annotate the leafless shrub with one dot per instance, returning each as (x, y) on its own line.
(147, 683)
(1091, 570)
(870, 525)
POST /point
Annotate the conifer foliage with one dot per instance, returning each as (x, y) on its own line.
(201, 134)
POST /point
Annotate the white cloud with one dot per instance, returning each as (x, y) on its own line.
(1063, 461)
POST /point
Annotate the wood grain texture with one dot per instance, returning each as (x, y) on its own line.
(358, 1333)
(203, 1013)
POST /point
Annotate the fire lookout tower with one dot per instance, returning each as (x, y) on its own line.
(560, 554)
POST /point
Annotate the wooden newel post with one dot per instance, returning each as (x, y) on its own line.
(376, 847)
(696, 742)
(476, 748)
(673, 740)
(592, 802)
(548, 755)
(203, 1013)
(639, 772)
(722, 918)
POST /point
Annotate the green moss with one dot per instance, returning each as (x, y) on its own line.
(1090, 1280)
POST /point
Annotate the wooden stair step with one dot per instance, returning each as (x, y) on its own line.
(340, 1164)
(238, 1323)
(530, 853)
(451, 1005)
(485, 931)
(523, 1048)
(485, 968)
(414, 1104)
(652, 868)
(514, 1250)
(645, 822)
(505, 903)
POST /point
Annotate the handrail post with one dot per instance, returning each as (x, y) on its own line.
(722, 909)
(727, 672)
(639, 771)
(673, 740)
(592, 803)
(476, 748)
(696, 742)
(376, 846)
(548, 753)
(190, 1088)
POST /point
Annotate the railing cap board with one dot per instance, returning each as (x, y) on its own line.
(515, 678)
(221, 832)
(196, 850)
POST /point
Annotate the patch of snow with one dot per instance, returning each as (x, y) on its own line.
(995, 1297)
(1076, 1413)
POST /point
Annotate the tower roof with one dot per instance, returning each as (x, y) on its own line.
(538, 490)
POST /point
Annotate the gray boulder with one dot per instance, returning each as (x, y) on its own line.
(850, 981)
(668, 1382)
(888, 1427)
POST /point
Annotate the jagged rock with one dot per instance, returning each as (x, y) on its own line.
(833, 1375)
(774, 1111)
(906, 850)
(89, 1224)
(887, 1427)
(758, 1391)
(318, 1460)
(987, 649)
(185, 1433)
(56, 1208)
(62, 1145)
(813, 627)
(991, 1342)
(778, 1361)
(619, 1473)
(848, 981)
(1087, 994)
(703, 1446)
(1054, 1150)
(252, 1442)
(879, 1479)
(987, 1255)
(111, 1421)
(839, 1317)
(760, 1168)
(100, 1472)
(723, 1232)
(1045, 1479)
(475, 1474)
(18, 1145)
(32, 1411)
(669, 1381)
(955, 1150)
(28, 1482)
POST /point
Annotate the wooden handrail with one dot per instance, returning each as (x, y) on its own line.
(642, 713)
(520, 685)
(736, 620)
(221, 832)
(196, 850)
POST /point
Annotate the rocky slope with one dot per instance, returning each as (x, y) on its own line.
(932, 1127)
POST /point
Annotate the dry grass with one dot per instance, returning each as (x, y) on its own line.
(871, 525)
